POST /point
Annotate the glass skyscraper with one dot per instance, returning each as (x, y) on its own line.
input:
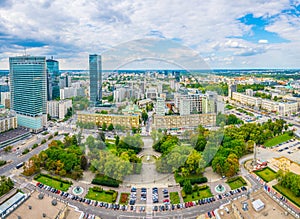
(95, 78)
(52, 79)
(28, 83)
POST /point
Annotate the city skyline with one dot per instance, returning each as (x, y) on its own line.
(225, 34)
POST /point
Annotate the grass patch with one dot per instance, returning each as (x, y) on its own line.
(196, 195)
(266, 174)
(124, 198)
(288, 194)
(174, 198)
(63, 186)
(236, 182)
(102, 196)
(278, 139)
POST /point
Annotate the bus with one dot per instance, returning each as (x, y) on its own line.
(19, 165)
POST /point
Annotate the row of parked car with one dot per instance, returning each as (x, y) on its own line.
(48, 188)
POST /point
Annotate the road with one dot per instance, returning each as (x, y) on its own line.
(5, 170)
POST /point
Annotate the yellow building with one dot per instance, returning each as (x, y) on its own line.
(285, 164)
(128, 121)
(184, 122)
(8, 122)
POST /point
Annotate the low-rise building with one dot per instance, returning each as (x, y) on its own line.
(175, 122)
(8, 121)
(128, 121)
(58, 109)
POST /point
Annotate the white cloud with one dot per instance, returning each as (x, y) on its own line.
(72, 29)
(263, 41)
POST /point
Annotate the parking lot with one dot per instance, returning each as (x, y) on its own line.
(288, 147)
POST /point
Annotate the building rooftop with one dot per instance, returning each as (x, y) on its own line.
(10, 202)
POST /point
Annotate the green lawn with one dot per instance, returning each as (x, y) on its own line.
(239, 182)
(288, 194)
(266, 174)
(204, 193)
(99, 196)
(174, 198)
(53, 183)
(178, 177)
(278, 139)
(124, 198)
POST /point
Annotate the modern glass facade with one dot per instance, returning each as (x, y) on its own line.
(52, 78)
(28, 82)
(95, 78)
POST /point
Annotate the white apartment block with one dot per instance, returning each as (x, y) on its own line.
(160, 107)
(8, 122)
(5, 96)
(282, 108)
(58, 109)
(68, 92)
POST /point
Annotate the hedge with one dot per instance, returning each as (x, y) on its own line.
(105, 182)
(232, 179)
(53, 177)
(194, 181)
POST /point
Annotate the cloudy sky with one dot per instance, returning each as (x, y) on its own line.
(226, 34)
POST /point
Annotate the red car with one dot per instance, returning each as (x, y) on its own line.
(38, 183)
(166, 200)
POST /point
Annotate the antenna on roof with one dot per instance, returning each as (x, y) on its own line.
(25, 51)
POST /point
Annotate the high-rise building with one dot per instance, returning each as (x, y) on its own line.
(28, 83)
(52, 78)
(95, 78)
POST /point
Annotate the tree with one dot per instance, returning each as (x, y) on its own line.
(110, 127)
(117, 141)
(104, 126)
(83, 162)
(8, 148)
(144, 116)
(101, 136)
(187, 187)
(201, 143)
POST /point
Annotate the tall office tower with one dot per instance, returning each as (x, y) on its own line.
(52, 78)
(95, 78)
(49, 87)
(231, 88)
(185, 107)
(28, 83)
(160, 107)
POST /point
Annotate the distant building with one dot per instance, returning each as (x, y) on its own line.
(185, 107)
(95, 65)
(195, 101)
(28, 83)
(249, 92)
(67, 92)
(127, 121)
(151, 93)
(160, 107)
(132, 110)
(5, 99)
(58, 109)
(176, 122)
(231, 88)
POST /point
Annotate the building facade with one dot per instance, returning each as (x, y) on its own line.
(8, 122)
(175, 122)
(52, 78)
(95, 65)
(28, 83)
(127, 121)
(58, 109)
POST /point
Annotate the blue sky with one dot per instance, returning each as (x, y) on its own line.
(225, 34)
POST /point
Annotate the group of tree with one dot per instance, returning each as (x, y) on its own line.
(80, 103)
(6, 184)
(263, 95)
(290, 181)
(238, 141)
(228, 119)
(61, 158)
(85, 125)
(255, 87)
(177, 157)
(119, 161)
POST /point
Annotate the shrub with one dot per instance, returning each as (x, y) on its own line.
(55, 133)
(105, 182)
(183, 194)
(2, 162)
(193, 181)
(114, 196)
(97, 189)
(35, 146)
(43, 141)
(26, 151)
(50, 137)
